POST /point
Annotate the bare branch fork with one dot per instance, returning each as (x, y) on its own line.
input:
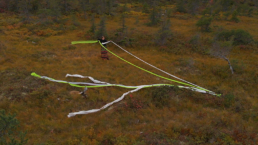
(222, 50)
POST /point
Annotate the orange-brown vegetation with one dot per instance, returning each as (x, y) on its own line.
(187, 118)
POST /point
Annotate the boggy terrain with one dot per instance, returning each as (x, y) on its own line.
(159, 115)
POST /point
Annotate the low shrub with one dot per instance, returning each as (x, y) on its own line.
(250, 12)
(108, 139)
(69, 47)
(136, 20)
(229, 99)
(156, 138)
(17, 83)
(41, 93)
(195, 40)
(241, 37)
(134, 103)
(204, 23)
(161, 96)
(221, 71)
(234, 17)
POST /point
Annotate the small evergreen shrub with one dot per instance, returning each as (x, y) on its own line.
(145, 8)
(101, 29)
(204, 23)
(154, 17)
(93, 25)
(164, 34)
(180, 7)
(234, 17)
(9, 135)
(250, 12)
(206, 11)
(226, 15)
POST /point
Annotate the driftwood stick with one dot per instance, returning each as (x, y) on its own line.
(230, 66)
